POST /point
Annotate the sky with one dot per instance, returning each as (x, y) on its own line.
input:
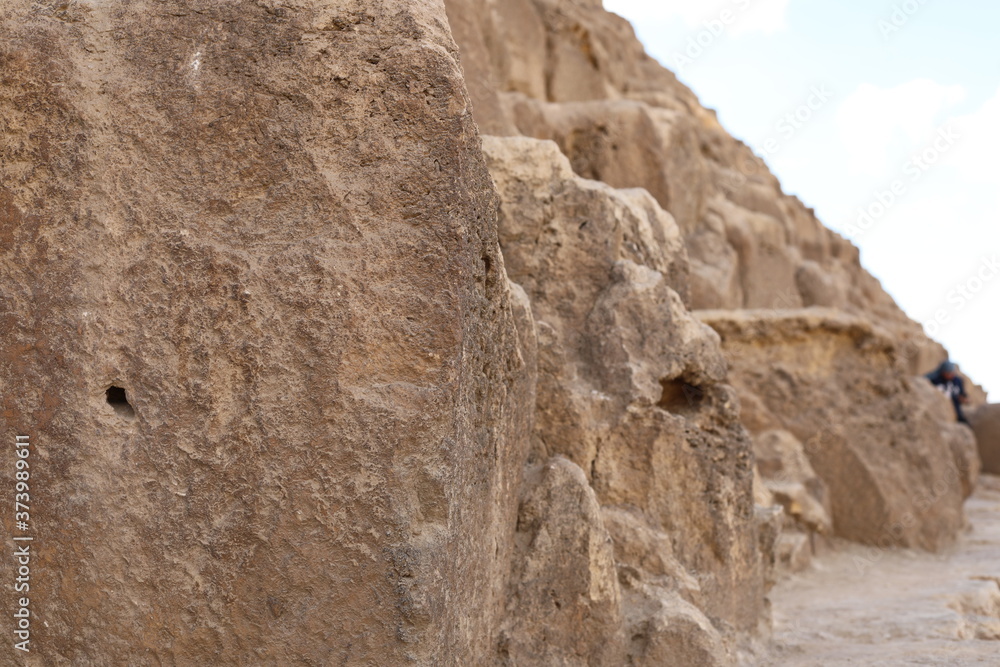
(884, 116)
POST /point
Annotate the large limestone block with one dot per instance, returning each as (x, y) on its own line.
(986, 423)
(504, 47)
(896, 473)
(627, 144)
(960, 439)
(563, 51)
(631, 387)
(666, 630)
(819, 286)
(791, 480)
(716, 275)
(565, 606)
(567, 70)
(270, 226)
(767, 261)
(562, 236)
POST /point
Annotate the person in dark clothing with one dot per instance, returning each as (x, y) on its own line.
(946, 379)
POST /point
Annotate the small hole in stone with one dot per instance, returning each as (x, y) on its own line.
(118, 400)
(680, 397)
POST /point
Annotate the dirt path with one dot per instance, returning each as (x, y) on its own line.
(860, 606)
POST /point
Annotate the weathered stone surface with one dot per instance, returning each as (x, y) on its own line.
(961, 442)
(787, 479)
(986, 424)
(791, 480)
(631, 387)
(666, 630)
(626, 144)
(565, 606)
(562, 239)
(793, 551)
(622, 118)
(272, 226)
(896, 473)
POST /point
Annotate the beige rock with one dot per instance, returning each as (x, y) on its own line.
(561, 245)
(801, 505)
(715, 270)
(565, 606)
(627, 144)
(762, 497)
(794, 551)
(666, 630)
(965, 455)
(623, 119)
(270, 230)
(631, 387)
(780, 456)
(960, 440)
(977, 395)
(769, 522)
(818, 287)
(897, 464)
(586, 54)
(896, 473)
(271, 226)
(790, 479)
(644, 553)
(986, 424)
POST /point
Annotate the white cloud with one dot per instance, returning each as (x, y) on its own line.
(978, 148)
(873, 120)
(766, 16)
(748, 16)
(951, 215)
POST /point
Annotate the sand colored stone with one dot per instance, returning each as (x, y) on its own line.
(272, 226)
(290, 404)
(986, 424)
(897, 466)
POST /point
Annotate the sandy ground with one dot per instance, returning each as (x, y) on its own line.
(863, 606)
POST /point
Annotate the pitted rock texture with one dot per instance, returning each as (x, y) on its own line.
(291, 405)
(571, 72)
(897, 466)
(565, 603)
(631, 388)
(271, 225)
(790, 479)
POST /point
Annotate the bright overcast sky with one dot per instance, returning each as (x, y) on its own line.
(904, 125)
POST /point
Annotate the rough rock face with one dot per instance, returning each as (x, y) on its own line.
(271, 226)
(631, 390)
(785, 478)
(568, 71)
(622, 119)
(885, 445)
(287, 407)
(790, 479)
(565, 606)
(986, 423)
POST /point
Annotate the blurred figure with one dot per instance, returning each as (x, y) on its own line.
(947, 380)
